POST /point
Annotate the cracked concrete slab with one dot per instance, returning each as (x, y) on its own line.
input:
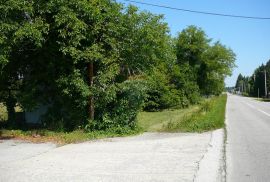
(154, 157)
(212, 165)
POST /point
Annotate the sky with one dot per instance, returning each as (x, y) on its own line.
(248, 38)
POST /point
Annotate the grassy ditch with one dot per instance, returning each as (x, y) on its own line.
(208, 115)
(155, 121)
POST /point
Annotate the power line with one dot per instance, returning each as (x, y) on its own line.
(199, 12)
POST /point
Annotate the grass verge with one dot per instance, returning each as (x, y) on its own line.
(208, 115)
(155, 121)
(42, 135)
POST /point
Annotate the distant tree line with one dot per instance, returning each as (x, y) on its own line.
(256, 85)
(97, 63)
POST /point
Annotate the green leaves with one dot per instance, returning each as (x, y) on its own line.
(210, 63)
(31, 32)
(192, 42)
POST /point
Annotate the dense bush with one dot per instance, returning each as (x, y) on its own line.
(161, 93)
(122, 110)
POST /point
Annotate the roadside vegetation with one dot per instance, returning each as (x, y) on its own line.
(93, 66)
(206, 116)
(155, 121)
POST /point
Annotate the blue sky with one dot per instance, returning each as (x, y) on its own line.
(248, 38)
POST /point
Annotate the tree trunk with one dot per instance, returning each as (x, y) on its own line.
(11, 103)
(91, 110)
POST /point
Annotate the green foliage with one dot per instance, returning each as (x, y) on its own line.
(123, 109)
(218, 62)
(243, 85)
(191, 44)
(254, 85)
(52, 43)
(161, 93)
(208, 64)
(183, 79)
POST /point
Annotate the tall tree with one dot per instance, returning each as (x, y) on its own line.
(209, 64)
(79, 57)
(217, 63)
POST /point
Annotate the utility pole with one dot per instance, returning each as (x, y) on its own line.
(265, 86)
(258, 93)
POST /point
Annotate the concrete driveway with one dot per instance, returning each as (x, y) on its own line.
(148, 157)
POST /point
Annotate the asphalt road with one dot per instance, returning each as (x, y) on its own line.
(155, 157)
(248, 140)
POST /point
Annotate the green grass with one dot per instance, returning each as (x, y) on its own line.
(155, 121)
(208, 115)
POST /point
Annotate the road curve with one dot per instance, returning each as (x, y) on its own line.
(248, 140)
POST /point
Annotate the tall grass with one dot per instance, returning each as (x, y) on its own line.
(210, 116)
(155, 121)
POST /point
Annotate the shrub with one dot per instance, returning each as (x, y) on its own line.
(123, 109)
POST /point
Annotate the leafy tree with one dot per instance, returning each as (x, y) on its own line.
(162, 93)
(209, 64)
(77, 57)
(52, 43)
(218, 62)
(191, 43)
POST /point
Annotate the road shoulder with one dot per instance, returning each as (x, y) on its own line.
(211, 166)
